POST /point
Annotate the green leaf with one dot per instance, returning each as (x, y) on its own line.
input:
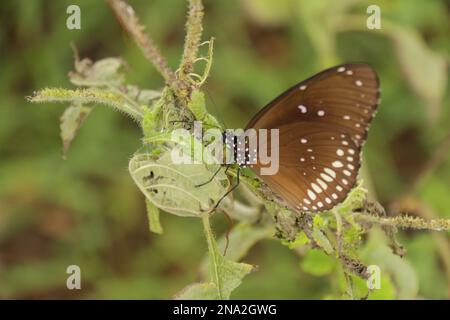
(319, 237)
(70, 122)
(153, 218)
(360, 290)
(198, 107)
(241, 239)
(225, 274)
(403, 275)
(86, 96)
(386, 291)
(301, 239)
(174, 187)
(198, 291)
(318, 263)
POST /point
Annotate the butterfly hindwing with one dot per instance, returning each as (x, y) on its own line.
(323, 123)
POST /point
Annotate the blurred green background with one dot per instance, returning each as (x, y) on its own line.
(87, 211)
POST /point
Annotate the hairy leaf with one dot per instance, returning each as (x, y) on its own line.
(70, 122)
(175, 187)
(227, 275)
(104, 72)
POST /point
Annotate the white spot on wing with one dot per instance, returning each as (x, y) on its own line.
(302, 108)
(337, 164)
(316, 188)
(330, 172)
(322, 184)
(326, 177)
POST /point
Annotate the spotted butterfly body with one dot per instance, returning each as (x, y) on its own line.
(323, 124)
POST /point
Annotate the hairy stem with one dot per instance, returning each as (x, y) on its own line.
(194, 30)
(126, 16)
(408, 222)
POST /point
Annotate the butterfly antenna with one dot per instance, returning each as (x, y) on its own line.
(231, 189)
(210, 179)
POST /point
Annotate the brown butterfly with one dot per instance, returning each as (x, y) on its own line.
(323, 124)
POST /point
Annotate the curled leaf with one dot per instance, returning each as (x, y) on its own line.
(104, 72)
(70, 122)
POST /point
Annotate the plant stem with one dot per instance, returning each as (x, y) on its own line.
(194, 30)
(126, 16)
(213, 253)
(408, 222)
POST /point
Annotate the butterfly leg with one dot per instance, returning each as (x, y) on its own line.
(212, 177)
(231, 189)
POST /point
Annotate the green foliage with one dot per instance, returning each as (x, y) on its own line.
(172, 187)
(198, 107)
(278, 45)
(86, 96)
(318, 235)
(226, 275)
(318, 263)
(71, 121)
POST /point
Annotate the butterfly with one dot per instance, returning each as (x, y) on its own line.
(323, 123)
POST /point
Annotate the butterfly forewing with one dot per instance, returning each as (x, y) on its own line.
(323, 123)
